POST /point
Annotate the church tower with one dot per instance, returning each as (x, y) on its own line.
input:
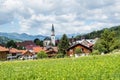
(53, 35)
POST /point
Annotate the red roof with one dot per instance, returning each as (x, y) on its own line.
(30, 47)
(25, 43)
(3, 49)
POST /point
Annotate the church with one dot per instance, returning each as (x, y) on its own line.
(50, 41)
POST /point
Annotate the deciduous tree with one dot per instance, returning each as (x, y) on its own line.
(38, 42)
(107, 42)
(11, 43)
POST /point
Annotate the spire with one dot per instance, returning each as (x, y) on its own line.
(53, 30)
(53, 35)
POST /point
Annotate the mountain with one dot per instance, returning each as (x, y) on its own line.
(95, 34)
(23, 36)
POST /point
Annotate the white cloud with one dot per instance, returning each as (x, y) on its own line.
(68, 16)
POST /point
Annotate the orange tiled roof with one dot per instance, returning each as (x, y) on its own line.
(3, 49)
(37, 49)
(14, 50)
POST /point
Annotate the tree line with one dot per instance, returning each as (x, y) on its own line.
(98, 33)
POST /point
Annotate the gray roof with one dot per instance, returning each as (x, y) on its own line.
(47, 38)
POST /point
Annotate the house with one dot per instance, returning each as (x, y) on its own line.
(3, 53)
(71, 50)
(26, 54)
(14, 53)
(26, 44)
(37, 49)
(51, 51)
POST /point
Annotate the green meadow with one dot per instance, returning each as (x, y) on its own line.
(105, 67)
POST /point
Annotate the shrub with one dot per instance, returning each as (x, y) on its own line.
(78, 51)
(95, 52)
(59, 55)
(41, 55)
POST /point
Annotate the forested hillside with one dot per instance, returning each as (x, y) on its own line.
(95, 34)
(3, 40)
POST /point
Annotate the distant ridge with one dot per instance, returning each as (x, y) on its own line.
(23, 36)
(4, 37)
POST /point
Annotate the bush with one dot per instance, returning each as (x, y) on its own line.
(95, 52)
(41, 55)
(59, 55)
(78, 51)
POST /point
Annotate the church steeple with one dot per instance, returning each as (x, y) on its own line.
(53, 35)
(53, 30)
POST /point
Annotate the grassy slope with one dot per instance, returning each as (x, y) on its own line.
(105, 67)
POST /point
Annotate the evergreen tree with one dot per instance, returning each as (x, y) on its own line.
(107, 42)
(64, 44)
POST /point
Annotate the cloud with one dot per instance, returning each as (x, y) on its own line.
(68, 16)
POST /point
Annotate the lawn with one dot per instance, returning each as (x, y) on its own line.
(106, 67)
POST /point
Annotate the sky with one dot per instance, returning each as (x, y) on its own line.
(68, 16)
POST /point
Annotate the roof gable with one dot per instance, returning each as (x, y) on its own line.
(78, 45)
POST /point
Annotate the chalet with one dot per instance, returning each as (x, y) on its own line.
(3, 53)
(14, 53)
(51, 51)
(83, 42)
(71, 50)
(26, 54)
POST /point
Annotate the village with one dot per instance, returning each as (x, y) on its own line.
(59, 40)
(31, 49)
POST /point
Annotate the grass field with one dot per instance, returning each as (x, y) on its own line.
(106, 67)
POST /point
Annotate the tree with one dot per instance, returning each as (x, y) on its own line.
(98, 46)
(63, 45)
(107, 42)
(38, 42)
(41, 55)
(11, 43)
